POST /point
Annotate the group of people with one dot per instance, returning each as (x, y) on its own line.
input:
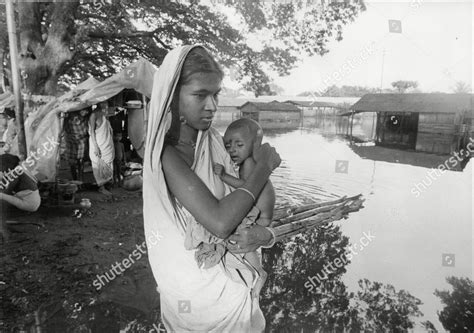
(211, 218)
(91, 128)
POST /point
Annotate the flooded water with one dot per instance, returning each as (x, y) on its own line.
(421, 227)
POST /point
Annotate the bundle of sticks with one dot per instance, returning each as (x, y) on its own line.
(290, 221)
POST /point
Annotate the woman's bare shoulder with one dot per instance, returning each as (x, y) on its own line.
(172, 158)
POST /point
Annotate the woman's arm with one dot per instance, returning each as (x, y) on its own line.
(220, 217)
(20, 203)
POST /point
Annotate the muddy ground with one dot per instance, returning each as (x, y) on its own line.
(48, 269)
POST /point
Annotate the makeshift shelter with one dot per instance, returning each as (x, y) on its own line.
(7, 100)
(46, 124)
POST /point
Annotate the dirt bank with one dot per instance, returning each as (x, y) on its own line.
(48, 269)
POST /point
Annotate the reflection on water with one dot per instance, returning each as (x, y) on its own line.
(411, 232)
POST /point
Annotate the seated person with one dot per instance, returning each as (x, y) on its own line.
(18, 190)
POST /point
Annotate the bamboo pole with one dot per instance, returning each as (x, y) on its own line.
(323, 214)
(282, 213)
(12, 38)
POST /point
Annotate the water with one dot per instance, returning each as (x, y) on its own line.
(412, 233)
(409, 233)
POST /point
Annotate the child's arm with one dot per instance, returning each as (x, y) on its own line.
(226, 178)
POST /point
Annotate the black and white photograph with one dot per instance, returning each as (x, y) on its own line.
(294, 166)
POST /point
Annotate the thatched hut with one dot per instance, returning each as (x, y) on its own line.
(434, 123)
(272, 114)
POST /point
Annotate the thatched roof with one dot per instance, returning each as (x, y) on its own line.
(273, 106)
(422, 103)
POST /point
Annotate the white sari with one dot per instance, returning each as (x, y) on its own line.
(192, 299)
(102, 166)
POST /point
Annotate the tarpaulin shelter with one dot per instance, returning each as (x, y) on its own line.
(46, 124)
(7, 100)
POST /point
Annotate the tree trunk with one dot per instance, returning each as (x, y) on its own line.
(43, 54)
(3, 53)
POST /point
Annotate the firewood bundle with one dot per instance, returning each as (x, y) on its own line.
(290, 221)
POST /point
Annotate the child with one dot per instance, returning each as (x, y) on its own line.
(239, 139)
(119, 159)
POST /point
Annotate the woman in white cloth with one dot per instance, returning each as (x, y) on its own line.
(101, 147)
(180, 187)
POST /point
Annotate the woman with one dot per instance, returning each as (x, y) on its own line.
(180, 186)
(101, 147)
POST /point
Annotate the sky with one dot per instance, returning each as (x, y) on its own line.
(435, 49)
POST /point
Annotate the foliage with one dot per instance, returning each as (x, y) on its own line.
(291, 307)
(381, 307)
(429, 326)
(458, 312)
(462, 88)
(67, 41)
(343, 91)
(403, 86)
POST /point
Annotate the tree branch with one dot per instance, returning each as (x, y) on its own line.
(134, 34)
(119, 35)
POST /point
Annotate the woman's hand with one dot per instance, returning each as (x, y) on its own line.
(266, 154)
(248, 239)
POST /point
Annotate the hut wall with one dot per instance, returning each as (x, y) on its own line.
(309, 111)
(279, 119)
(249, 111)
(226, 114)
(436, 133)
(397, 129)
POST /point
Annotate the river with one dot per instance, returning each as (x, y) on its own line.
(420, 234)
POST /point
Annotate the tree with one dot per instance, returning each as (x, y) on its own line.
(458, 312)
(402, 86)
(429, 326)
(62, 42)
(380, 307)
(344, 91)
(295, 301)
(462, 88)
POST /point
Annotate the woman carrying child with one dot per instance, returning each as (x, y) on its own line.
(180, 186)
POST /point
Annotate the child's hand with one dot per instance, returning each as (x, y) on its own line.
(218, 169)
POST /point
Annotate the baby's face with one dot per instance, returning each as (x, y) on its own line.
(239, 145)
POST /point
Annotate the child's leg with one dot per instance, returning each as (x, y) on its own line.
(254, 260)
(116, 173)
